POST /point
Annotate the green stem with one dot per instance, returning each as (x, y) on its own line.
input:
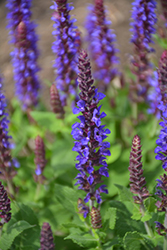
(37, 191)
(146, 223)
(1, 231)
(10, 188)
(135, 111)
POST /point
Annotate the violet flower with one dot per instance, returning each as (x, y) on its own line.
(143, 22)
(89, 135)
(137, 180)
(65, 47)
(46, 237)
(7, 164)
(101, 40)
(25, 54)
(40, 160)
(5, 213)
(82, 208)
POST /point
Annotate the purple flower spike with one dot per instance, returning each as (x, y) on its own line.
(89, 135)
(46, 237)
(7, 164)
(65, 47)
(25, 54)
(101, 45)
(137, 180)
(40, 160)
(5, 214)
(143, 21)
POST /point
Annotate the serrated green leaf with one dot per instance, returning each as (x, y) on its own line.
(132, 241)
(149, 204)
(81, 238)
(12, 233)
(110, 244)
(124, 193)
(136, 212)
(111, 216)
(147, 216)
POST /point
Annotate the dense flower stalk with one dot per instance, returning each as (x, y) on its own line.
(89, 135)
(55, 102)
(65, 47)
(7, 164)
(5, 214)
(25, 54)
(161, 149)
(144, 19)
(137, 180)
(95, 218)
(101, 41)
(40, 160)
(46, 237)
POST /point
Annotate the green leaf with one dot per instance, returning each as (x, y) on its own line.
(147, 216)
(81, 238)
(67, 197)
(111, 216)
(110, 244)
(149, 204)
(115, 153)
(124, 193)
(132, 241)
(136, 212)
(12, 233)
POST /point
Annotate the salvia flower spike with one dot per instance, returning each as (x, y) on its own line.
(65, 47)
(137, 180)
(5, 213)
(161, 149)
(89, 135)
(25, 53)
(40, 160)
(82, 208)
(101, 40)
(55, 102)
(46, 240)
(143, 22)
(7, 164)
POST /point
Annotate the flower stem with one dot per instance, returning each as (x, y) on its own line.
(146, 223)
(165, 237)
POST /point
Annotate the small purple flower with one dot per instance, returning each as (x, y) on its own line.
(47, 241)
(7, 164)
(5, 214)
(65, 47)
(143, 21)
(25, 54)
(101, 44)
(89, 135)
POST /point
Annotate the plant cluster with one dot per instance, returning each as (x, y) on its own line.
(106, 189)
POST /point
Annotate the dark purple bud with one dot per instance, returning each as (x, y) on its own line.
(47, 237)
(40, 160)
(5, 214)
(55, 102)
(137, 181)
(95, 218)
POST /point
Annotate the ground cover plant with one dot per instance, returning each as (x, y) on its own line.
(90, 172)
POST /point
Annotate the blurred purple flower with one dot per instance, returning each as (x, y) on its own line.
(46, 240)
(143, 22)
(5, 214)
(65, 47)
(25, 54)
(101, 41)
